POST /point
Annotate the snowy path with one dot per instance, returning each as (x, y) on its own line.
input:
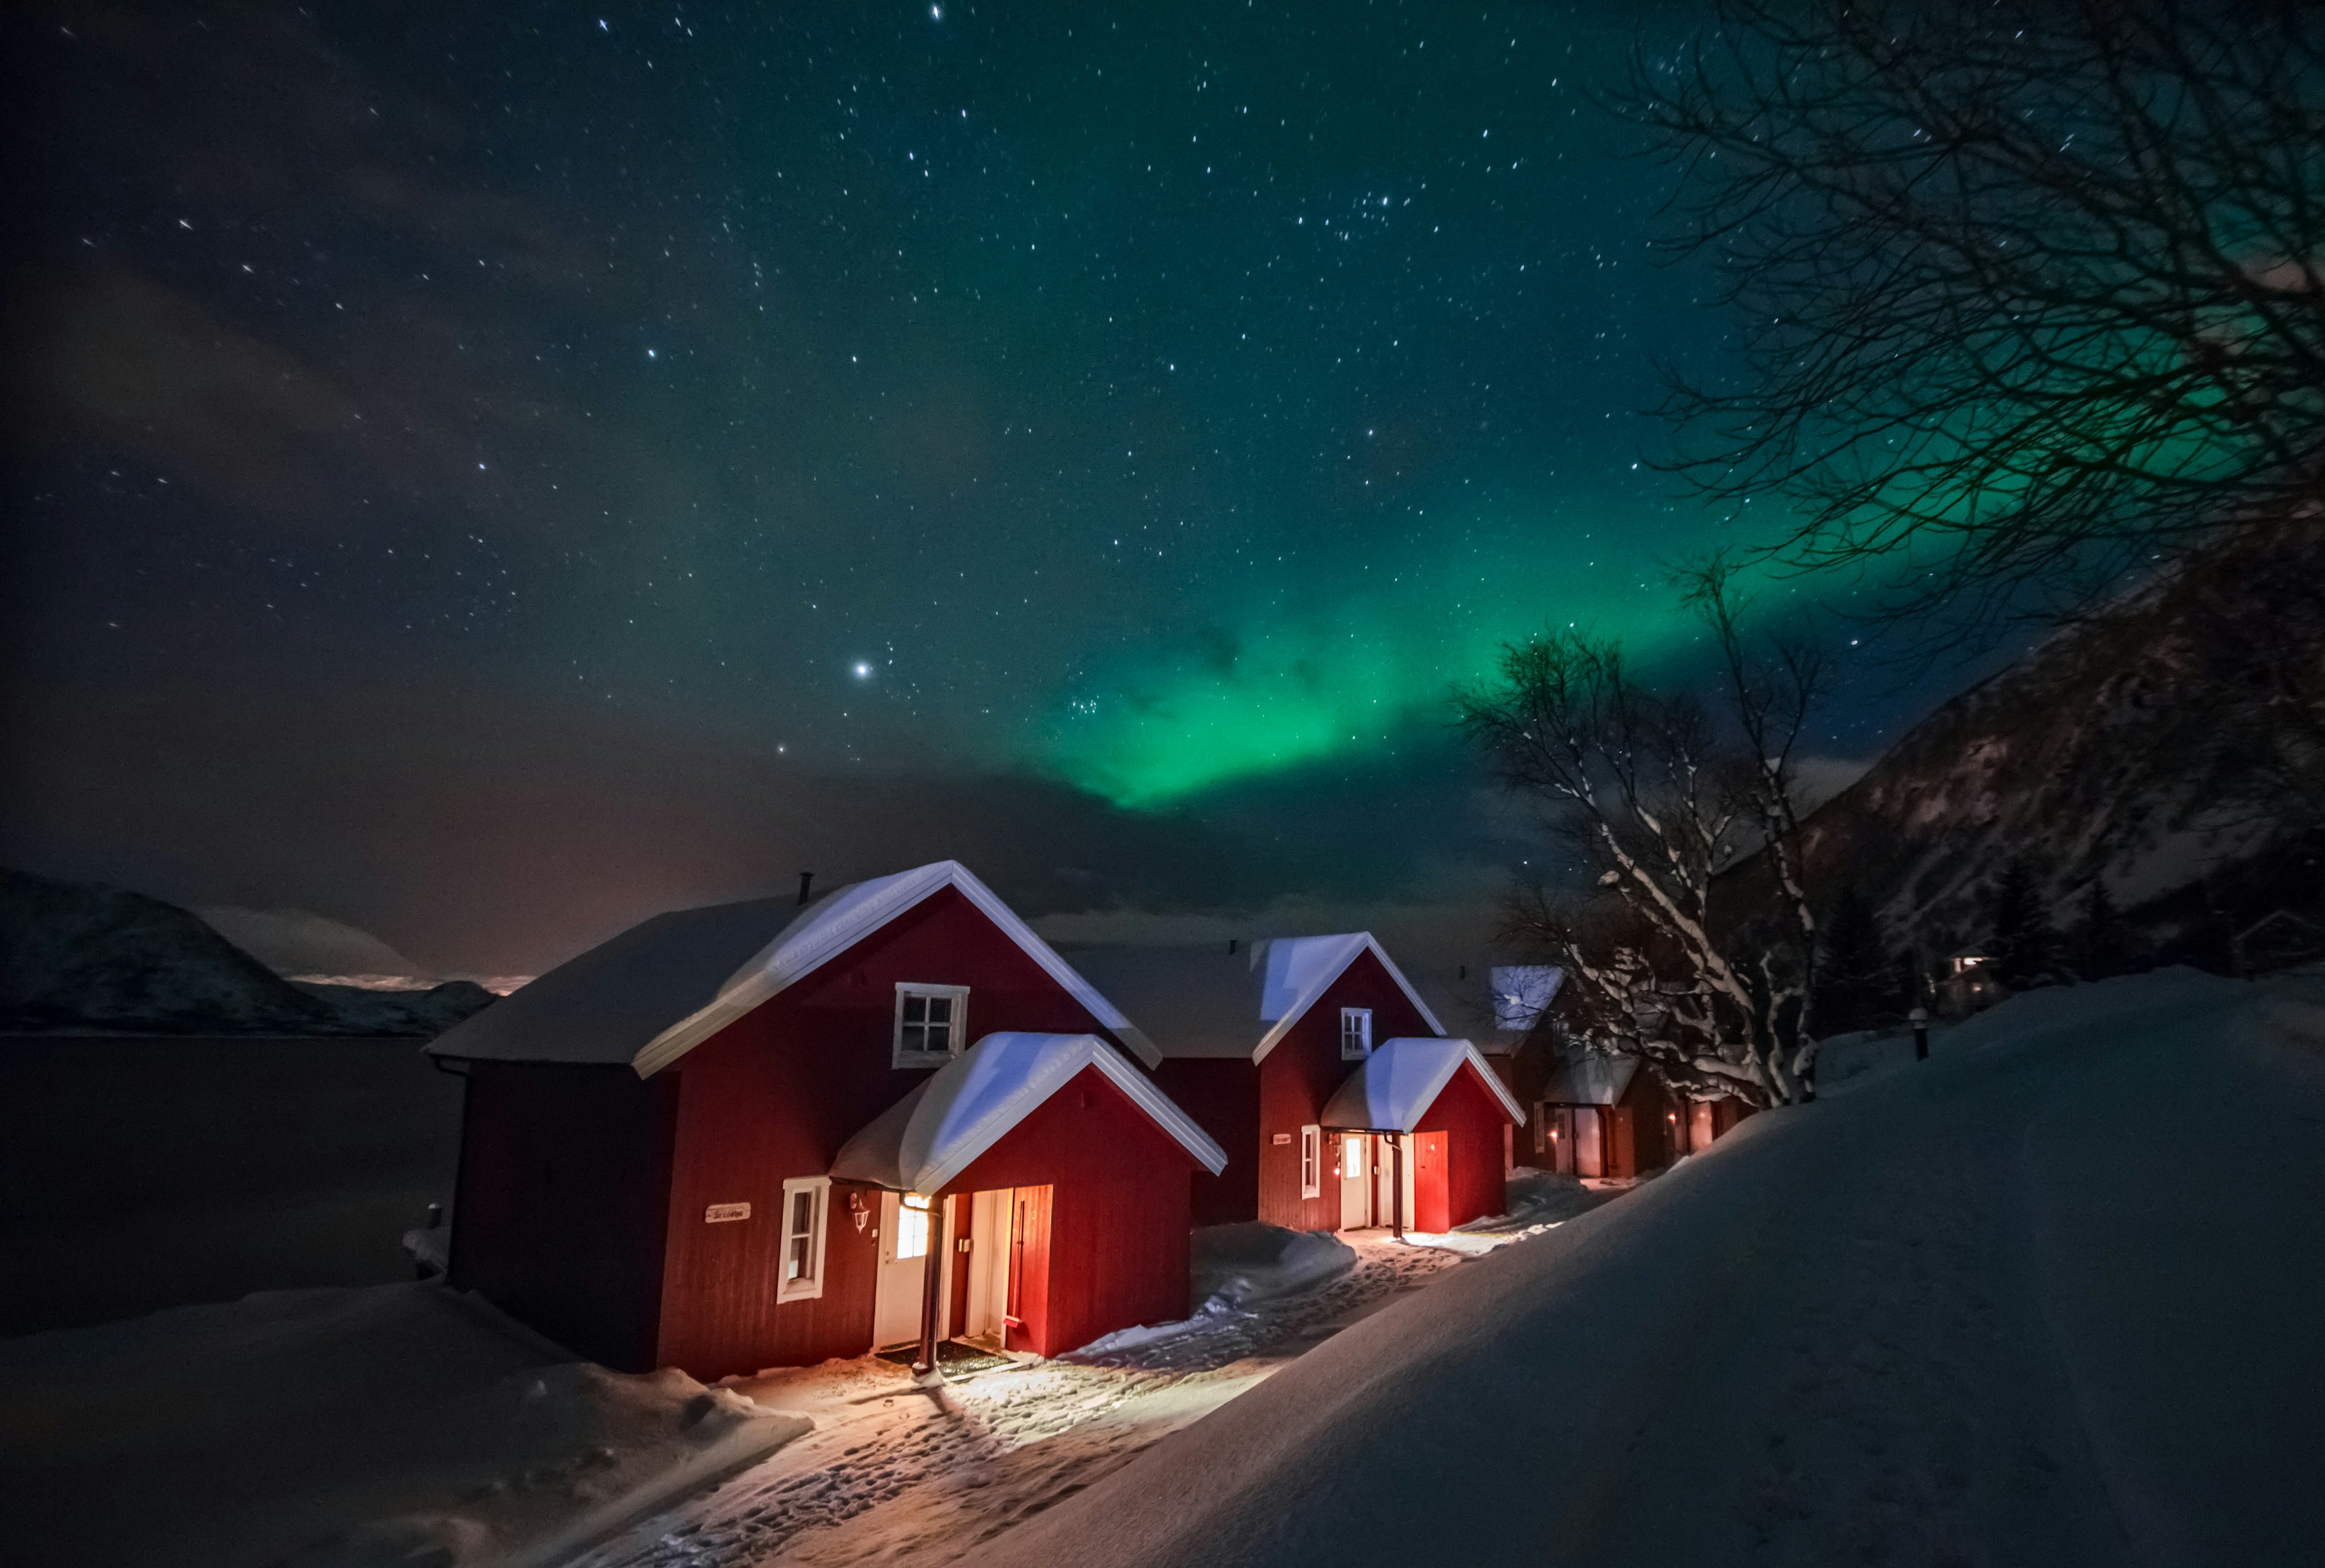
(2053, 1297)
(890, 1473)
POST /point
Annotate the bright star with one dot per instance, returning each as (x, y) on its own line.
(863, 669)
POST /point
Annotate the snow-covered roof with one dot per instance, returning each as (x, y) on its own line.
(929, 1137)
(1495, 1005)
(1522, 992)
(1208, 1001)
(1402, 1079)
(662, 988)
(1590, 1078)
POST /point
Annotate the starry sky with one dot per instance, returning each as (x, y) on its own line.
(487, 473)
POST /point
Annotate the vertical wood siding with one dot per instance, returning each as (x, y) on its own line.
(777, 1094)
(1222, 1095)
(561, 1197)
(1300, 1075)
(1117, 1224)
(1471, 1117)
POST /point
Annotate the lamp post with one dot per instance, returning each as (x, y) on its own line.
(1919, 1018)
(925, 1366)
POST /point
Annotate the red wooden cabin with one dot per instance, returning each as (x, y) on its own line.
(1598, 1116)
(647, 1155)
(1254, 1039)
(1435, 1116)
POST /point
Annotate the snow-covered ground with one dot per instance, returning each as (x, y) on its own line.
(2052, 1296)
(894, 1473)
(392, 1424)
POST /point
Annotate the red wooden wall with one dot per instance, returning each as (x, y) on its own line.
(1221, 1093)
(775, 1095)
(1117, 1233)
(1298, 1076)
(562, 1197)
(1471, 1117)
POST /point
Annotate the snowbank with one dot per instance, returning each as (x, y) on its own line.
(1243, 1265)
(1234, 1269)
(1535, 1197)
(340, 1429)
(2050, 1297)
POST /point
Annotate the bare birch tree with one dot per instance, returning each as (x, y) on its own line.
(2025, 291)
(1654, 792)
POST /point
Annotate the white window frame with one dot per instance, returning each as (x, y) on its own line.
(1312, 1162)
(1356, 1034)
(808, 1286)
(959, 1025)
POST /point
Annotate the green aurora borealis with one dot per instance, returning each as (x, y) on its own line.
(1089, 410)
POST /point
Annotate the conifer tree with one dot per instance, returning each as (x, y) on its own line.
(2099, 937)
(1856, 979)
(2023, 940)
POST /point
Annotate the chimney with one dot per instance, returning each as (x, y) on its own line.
(805, 878)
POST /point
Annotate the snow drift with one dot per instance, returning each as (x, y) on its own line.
(343, 1429)
(1247, 1264)
(2048, 1297)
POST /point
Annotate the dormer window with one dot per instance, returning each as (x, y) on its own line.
(932, 1023)
(1356, 1034)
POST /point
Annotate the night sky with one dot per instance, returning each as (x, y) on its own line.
(488, 479)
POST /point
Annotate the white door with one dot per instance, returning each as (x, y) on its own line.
(1356, 1180)
(903, 1264)
(1391, 1161)
(1589, 1160)
(988, 1266)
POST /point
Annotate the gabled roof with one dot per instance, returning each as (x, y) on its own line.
(1401, 1080)
(1207, 1001)
(662, 988)
(1590, 1078)
(928, 1138)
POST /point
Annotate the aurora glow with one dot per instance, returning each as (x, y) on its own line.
(1008, 404)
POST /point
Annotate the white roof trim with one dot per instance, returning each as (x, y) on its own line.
(1351, 1106)
(1362, 942)
(846, 918)
(920, 1144)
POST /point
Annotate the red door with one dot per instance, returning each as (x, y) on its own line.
(1029, 1270)
(1432, 1191)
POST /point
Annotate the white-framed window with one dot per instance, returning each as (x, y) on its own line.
(1312, 1162)
(932, 1023)
(911, 1227)
(806, 1200)
(1356, 1034)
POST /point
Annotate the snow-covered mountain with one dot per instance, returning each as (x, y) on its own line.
(97, 958)
(2170, 748)
(298, 941)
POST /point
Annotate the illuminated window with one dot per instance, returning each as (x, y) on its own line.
(1356, 1034)
(912, 1227)
(805, 1201)
(1312, 1162)
(932, 1023)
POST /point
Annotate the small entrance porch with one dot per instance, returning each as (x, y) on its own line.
(1369, 1164)
(982, 1267)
